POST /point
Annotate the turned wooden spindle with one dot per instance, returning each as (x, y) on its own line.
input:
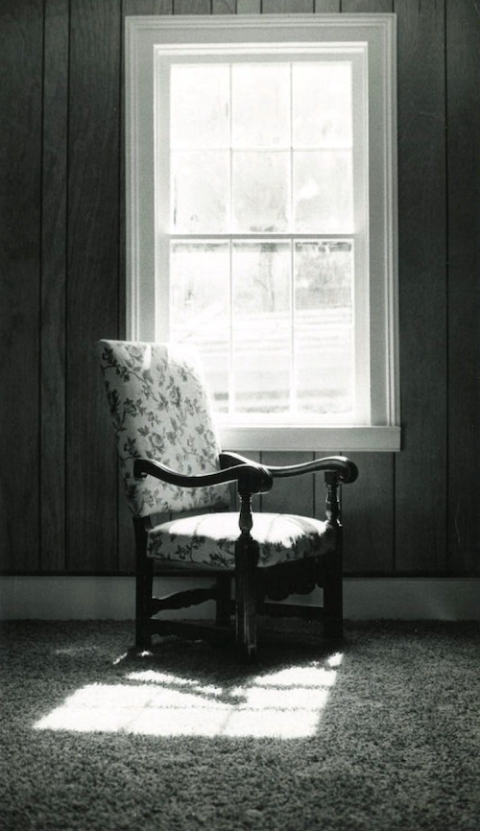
(333, 564)
(245, 520)
(247, 553)
(332, 504)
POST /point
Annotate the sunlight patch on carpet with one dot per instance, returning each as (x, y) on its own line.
(286, 704)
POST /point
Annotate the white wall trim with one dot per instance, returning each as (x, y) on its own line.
(112, 598)
(349, 439)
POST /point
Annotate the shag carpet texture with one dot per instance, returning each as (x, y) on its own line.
(381, 734)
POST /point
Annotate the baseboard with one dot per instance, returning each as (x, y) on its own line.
(112, 598)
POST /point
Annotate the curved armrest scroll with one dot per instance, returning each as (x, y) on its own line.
(233, 460)
(345, 469)
(251, 477)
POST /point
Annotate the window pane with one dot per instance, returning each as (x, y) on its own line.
(260, 191)
(199, 308)
(199, 191)
(261, 105)
(322, 105)
(323, 191)
(199, 106)
(324, 326)
(261, 327)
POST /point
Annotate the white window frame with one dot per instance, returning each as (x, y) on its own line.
(370, 39)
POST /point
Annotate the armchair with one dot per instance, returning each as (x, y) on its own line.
(182, 513)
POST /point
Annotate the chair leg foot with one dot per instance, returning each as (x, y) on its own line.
(143, 638)
(247, 657)
(246, 632)
(143, 591)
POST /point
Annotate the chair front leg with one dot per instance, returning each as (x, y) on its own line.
(246, 559)
(333, 595)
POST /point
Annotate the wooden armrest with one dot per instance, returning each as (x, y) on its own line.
(345, 469)
(251, 477)
(233, 460)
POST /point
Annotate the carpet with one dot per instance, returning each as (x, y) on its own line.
(380, 734)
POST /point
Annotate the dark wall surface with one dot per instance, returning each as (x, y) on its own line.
(62, 266)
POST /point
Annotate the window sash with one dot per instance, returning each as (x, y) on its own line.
(355, 58)
(360, 329)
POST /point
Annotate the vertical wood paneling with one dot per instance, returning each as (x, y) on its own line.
(367, 6)
(327, 6)
(21, 58)
(92, 296)
(248, 6)
(192, 6)
(463, 96)
(133, 7)
(223, 6)
(368, 505)
(293, 496)
(126, 539)
(61, 250)
(287, 6)
(421, 466)
(368, 516)
(54, 240)
(368, 511)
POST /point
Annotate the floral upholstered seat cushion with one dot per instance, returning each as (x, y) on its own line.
(161, 411)
(209, 540)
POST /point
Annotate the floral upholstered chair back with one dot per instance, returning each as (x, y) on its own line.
(161, 411)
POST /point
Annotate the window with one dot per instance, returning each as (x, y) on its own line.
(261, 219)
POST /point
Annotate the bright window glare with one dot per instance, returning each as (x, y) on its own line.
(285, 704)
(252, 151)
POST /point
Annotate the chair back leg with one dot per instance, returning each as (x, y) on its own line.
(333, 590)
(143, 586)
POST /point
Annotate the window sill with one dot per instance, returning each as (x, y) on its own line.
(313, 439)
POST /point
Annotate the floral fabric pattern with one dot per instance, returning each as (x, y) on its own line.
(209, 540)
(160, 410)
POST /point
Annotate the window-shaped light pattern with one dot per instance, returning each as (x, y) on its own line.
(284, 704)
(262, 233)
